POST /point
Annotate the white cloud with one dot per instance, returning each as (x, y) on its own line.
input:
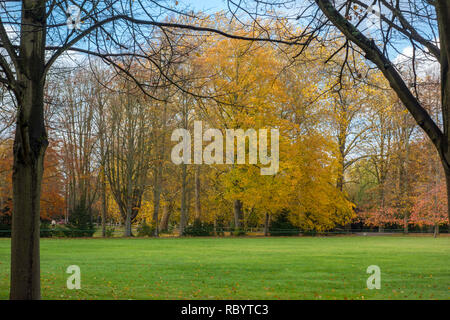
(425, 65)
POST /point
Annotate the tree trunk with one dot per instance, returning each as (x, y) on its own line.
(159, 174)
(198, 211)
(103, 173)
(164, 225)
(25, 263)
(405, 224)
(403, 186)
(30, 144)
(266, 225)
(436, 230)
(382, 200)
(237, 215)
(447, 179)
(443, 14)
(127, 230)
(183, 213)
(104, 206)
(157, 197)
(341, 160)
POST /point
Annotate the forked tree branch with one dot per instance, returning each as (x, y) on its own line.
(396, 82)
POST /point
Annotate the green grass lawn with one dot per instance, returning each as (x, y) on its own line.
(242, 268)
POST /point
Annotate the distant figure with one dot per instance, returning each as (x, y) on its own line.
(53, 223)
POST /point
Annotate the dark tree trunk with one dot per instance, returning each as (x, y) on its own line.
(405, 224)
(266, 225)
(183, 213)
(341, 160)
(198, 209)
(104, 208)
(103, 173)
(237, 214)
(443, 15)
(30, 144)
(104, 204)
(404, 185)
(157, 198)
(447, 179)
(25, 262)
(159, 176)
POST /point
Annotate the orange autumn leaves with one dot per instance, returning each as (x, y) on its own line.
(53, 204)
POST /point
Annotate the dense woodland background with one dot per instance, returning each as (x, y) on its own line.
(350, 154)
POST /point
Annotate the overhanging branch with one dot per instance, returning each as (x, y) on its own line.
(396, 82)
(160, 25)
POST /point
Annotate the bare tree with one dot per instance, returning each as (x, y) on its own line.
(128, 153)
(79, 139)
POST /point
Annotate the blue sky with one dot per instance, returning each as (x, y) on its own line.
(206, 5)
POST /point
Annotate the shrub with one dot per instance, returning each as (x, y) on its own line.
(282, 226)
(80, 224)
(46, 230)
(5, 230)
(239, 232)
(199, 229)
(145, 230)
(220, 227)
(61, 231)
(311, 233)
(220, 231)
(109, 231)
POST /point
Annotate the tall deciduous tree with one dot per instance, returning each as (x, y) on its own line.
(128, 153)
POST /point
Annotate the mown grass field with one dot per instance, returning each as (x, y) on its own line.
(242, 268)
